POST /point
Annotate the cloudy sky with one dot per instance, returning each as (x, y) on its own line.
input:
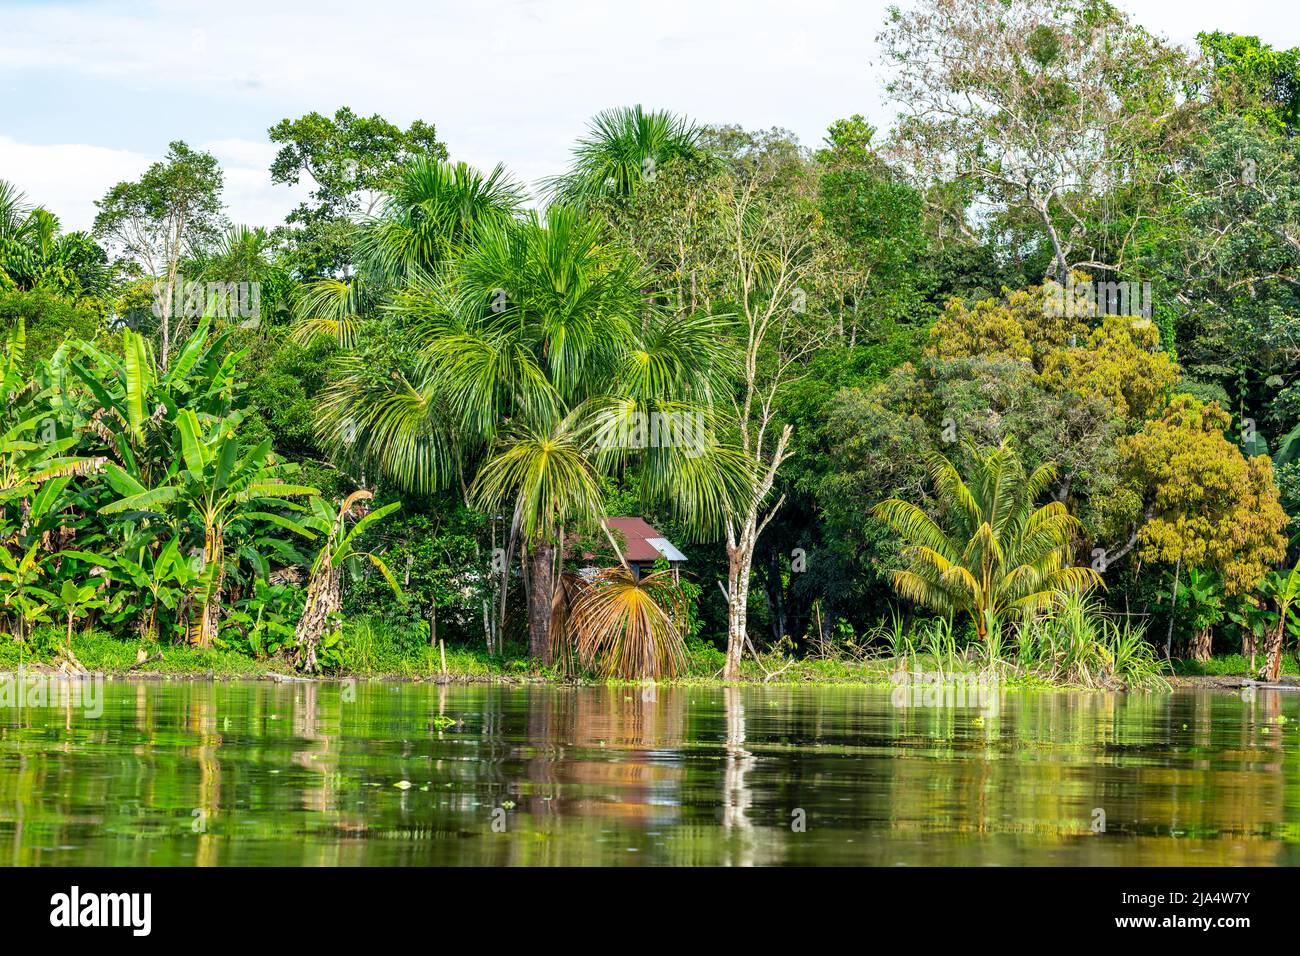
(91, 92)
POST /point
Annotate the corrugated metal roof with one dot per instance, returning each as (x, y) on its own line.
(641, 541)
(666, 548)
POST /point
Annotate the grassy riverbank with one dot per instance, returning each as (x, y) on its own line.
(370, 652)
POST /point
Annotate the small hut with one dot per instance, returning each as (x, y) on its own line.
(642, 545)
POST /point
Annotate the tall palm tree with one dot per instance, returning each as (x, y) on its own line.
(623, 148)
(430, 212)
(14, 209)
(241, 254)
(536, 346)
(994, 553)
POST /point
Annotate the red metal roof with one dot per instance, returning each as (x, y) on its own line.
(632, 535)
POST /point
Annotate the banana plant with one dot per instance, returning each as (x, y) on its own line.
(1255, 622)
(144, 580)
(1284, 589)
(23, 596)
(218, 481)
(132, 406)
(35, 464)
(74, 600)
(324, 590)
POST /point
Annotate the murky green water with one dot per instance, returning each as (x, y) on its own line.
(258, 773)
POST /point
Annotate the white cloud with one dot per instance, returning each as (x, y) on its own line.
(503, 80)
(511, 82)
(250, 195)
(68, 177)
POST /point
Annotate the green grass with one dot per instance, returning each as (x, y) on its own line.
(371, 650)
(1231, 665)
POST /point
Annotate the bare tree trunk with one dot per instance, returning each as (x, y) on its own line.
(213, 556)
(1173, 604)
(1200, 646)
(1058, 253)
(1275, 650)
(739, 564)
(540, 594)
(165, 323)
(740, 556)
(318, 615)
(173, 267)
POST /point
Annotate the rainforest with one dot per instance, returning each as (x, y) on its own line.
(1011, 388)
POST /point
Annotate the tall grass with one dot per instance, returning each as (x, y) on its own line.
(1076, 642)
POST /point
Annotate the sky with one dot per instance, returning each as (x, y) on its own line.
(92, 92)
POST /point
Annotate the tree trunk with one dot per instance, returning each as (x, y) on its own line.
(213, 556)
(1200, 645)
(739, 564)
(1173, 605)
(774, 590)
(1275, 650)
(148, 626)
(318, 614)
(540, 593)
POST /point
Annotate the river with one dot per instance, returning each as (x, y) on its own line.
(253, 773)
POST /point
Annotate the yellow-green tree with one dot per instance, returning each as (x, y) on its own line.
(991, 327)
(1208, 507)
(1117, 359)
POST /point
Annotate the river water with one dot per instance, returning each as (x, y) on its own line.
(250, 773)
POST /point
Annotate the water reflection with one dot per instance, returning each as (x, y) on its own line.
(330, 774)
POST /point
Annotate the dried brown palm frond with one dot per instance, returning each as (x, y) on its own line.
(629, 628)
(562, 644)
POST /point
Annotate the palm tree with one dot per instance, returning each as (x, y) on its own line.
(533, 348)
(994, 553)
(430, 211)
(629, 627)
(331, 308)
(623, 147)
(14, 209)
(34, 252)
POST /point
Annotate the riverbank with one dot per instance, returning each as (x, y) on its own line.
(383, 661)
